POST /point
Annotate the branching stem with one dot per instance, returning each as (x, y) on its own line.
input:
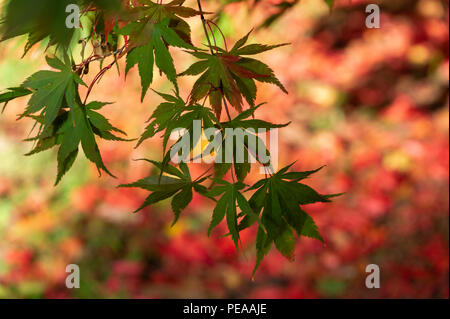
(204, 26)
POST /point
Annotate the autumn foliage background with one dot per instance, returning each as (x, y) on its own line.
(371, 104)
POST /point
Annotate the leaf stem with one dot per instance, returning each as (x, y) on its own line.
(223, 36)
(214, 38)
(204, 26)
(225, 101)
(203, 174)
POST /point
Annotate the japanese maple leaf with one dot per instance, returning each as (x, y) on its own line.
(55, 104)
(51, 90)
(230, 75)
(153, 39)
(175, 183)
(149, 13)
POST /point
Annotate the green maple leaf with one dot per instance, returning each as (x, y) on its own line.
(174, 11)
(263, 245)
(278, 200)
(187, 120)
(38, 19)
(176, 183)
(247, 140)
(175, 114)
(174, 7)
(242, 121)
(51, 90)
(153, 50)
(240, 48)
(69, 130)
(230, 150)
(51, 135)
(231, 75)
(56, 106)
(226, 207)
(44, 19)
(13, 93)
(101, 125)
(163, 115)
(78, 130)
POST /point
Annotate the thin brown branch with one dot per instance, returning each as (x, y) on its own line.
(204, 26)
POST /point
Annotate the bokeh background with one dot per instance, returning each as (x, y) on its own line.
(371, 104)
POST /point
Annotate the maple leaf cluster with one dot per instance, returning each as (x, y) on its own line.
(143, 31)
